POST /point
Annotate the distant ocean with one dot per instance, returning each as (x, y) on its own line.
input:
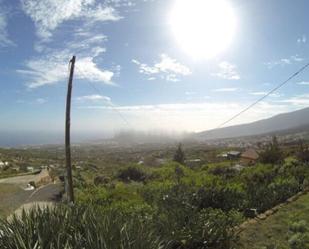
(24, 138)
(14, 139)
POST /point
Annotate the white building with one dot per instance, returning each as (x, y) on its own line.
(2, 164)
(30, 169)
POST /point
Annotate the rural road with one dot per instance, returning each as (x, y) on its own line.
(11, 201)
(42, 197)
(23, 181)
(47, 193)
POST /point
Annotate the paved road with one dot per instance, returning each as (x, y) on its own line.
(47, 193)
(50, 193)
(22, 181)
(42, 197)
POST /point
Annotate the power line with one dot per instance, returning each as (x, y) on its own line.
(108, 103)
(265, 96)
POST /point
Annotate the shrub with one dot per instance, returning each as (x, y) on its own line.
(132, 173)
(209, 228)
(225, 171)
(282, 189)
(303, 153)
(299, 227)
(101, 180)
(299, 241)
(221, 196)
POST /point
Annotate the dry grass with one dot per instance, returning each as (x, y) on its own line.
(11, 197)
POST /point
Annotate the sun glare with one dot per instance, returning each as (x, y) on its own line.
(203, 28)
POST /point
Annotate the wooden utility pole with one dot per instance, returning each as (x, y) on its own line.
(70, 192)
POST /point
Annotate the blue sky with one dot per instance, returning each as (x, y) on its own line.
(131, 72)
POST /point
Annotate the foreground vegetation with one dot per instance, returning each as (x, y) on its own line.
(80, 227)
(172, 205)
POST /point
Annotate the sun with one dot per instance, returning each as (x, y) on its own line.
(203, 28)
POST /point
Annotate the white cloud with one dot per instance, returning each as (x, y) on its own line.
(298, 100)
(101, 13)
(122, 3)
(49, 14)
(38, 101)
(88, 69)
(302, 39)
(168, 68)
(258, 93)
(227, 71)
(296, 58)
(169, 65)
(145, 69)
(304, 83)
(4, 37)
(41, 101)
(227, 89)
(275, 95)
(190, 93)
(83, 39)
(52, 67)
(285, 61)
(94, 98)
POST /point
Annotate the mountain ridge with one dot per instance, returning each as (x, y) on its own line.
(277, 123)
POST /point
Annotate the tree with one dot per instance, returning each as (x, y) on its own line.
(180, 155)
(303, 153)
(272, 154)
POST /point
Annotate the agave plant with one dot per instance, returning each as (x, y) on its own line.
(80, 227)
(76, 227)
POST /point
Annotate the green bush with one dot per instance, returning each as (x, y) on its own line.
(299, 241)
(225, 171)
(132, 173)
(221, 196)
(299, 227)
(299, 236)
(209, 228)
(283, 188)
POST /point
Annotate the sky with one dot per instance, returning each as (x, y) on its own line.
(132, 72)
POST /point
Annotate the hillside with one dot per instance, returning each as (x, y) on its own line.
(286, 121)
